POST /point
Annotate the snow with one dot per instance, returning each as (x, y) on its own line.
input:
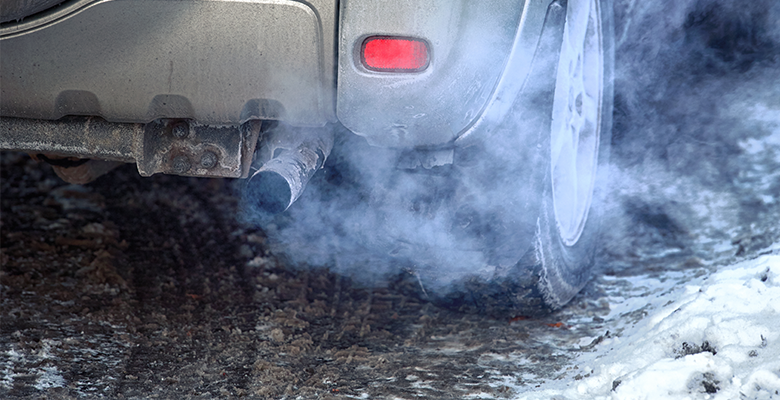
(707, 337)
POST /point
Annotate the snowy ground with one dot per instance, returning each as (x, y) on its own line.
(707, 337)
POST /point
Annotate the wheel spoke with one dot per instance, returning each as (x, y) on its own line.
(577, 22)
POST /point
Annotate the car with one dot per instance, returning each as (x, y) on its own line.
(477, 133)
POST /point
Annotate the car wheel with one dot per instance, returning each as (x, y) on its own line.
(568, 178)
(580, 134)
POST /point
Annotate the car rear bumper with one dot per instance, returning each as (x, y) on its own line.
(474, 46)
(215, 62)
(221, 63)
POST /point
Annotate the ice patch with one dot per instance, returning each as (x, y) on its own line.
(45, 376)
(49, 377)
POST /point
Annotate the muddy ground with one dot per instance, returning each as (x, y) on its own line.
(133, 287)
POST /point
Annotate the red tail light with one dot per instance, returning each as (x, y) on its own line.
(394, 54)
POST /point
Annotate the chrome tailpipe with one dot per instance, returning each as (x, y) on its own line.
(286, 159)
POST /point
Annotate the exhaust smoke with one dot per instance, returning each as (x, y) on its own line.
(696, 85)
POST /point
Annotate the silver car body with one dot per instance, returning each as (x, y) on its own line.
(224, 62)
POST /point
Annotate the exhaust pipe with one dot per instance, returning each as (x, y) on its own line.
(287, 158)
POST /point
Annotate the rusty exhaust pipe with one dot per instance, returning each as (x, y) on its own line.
(287, 158)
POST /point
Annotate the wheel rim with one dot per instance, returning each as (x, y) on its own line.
(576, 118)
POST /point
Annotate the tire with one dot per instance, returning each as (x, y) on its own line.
(569, 194)
(568, 231)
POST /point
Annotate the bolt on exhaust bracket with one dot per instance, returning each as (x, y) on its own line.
(181, 147)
